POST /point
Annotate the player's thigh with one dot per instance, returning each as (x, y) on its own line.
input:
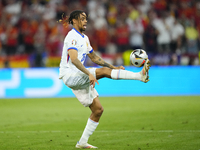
(78, 80)
(103, 72)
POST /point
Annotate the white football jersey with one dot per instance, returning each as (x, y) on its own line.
(74, 40)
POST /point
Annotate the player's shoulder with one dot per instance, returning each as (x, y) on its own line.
(70, 35)
(86, 37)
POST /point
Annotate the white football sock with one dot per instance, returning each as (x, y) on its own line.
(124, 74)
(89, 129)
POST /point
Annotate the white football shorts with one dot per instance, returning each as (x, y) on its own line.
(80, 84)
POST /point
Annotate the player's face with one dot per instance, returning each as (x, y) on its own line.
(82, 22)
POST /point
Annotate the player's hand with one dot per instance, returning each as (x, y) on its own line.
(93, 80)
(120, 67)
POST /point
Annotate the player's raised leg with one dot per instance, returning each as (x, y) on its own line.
(143, 75)
(91, 125)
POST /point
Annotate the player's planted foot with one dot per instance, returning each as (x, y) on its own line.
(85, 146)
(145, 72)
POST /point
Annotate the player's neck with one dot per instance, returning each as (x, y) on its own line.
(77, 29)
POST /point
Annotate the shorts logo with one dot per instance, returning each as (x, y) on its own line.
(74, 42)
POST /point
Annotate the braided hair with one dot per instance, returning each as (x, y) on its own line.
(69, 20)
(74, 15)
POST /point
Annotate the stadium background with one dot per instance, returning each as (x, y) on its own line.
(162, 114)
(31, 42)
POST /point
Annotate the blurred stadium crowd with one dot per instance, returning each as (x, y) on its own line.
(30, 35)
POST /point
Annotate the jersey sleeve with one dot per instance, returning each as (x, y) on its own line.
(71, 42)
(89, 47)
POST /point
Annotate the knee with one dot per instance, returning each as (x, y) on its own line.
(99, 112)
(105, 72)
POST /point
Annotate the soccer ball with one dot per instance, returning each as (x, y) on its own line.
(138, 57)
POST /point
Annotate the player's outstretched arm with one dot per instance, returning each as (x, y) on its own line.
(99, 61)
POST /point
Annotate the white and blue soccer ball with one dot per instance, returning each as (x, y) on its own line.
(138, 57)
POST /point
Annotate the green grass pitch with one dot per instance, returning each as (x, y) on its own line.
(128, 123)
